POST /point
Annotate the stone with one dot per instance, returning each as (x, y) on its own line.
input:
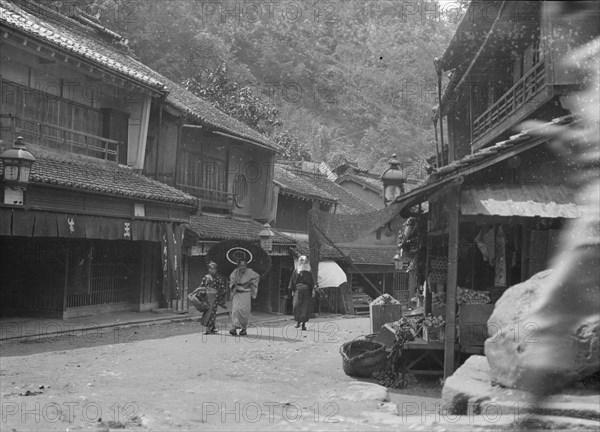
(518, 342)
(470, 392)
(365, 392)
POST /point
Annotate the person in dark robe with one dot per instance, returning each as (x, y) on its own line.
(302, 285)
(214, 284)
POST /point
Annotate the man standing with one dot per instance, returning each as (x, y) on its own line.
(243, 283)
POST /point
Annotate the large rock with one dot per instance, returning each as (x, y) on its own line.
(519, 342)
(470, 392)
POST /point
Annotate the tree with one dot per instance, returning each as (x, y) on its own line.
(231, 98)
(364, 69)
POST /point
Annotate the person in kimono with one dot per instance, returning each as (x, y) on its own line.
(243, 283)
(302, 285)
(215, 286)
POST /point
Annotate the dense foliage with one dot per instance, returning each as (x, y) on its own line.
(327, 80)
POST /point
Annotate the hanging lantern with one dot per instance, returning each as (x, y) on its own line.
(17, 162)
(393, 180)
(266, 238)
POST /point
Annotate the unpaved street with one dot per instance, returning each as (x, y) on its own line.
(172, 377)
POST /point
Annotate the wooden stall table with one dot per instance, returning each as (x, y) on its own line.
(417, 352)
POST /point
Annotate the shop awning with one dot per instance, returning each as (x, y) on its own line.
(32, 223)
(522, 200)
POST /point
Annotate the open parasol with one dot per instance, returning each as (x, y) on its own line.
(228, 252)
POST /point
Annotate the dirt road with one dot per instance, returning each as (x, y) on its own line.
(172, 377)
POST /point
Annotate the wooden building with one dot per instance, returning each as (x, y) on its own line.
(499, 196)
(368, 262)
(228, 166)
(131, 144)
(360, 182)
(89, 234)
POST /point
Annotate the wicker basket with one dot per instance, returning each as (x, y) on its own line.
(362, 358)
(434, 334)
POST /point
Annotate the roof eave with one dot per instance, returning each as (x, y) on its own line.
(159, 90)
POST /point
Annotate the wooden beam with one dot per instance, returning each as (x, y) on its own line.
(450, 342)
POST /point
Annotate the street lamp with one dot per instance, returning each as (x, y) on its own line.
(17, 162)
(393, 180)
(266, 237)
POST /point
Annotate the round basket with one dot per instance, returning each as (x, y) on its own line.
(361, 358)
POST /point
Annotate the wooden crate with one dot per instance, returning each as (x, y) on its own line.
(472, 323)
(386, 336)
(434, 334)
(383, 314)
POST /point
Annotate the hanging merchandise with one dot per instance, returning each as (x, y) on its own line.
(500, 264)
(490, 245)
(481, 244)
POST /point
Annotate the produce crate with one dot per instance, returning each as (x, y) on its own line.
(387, 336)
(434, 334)
(383, 314)
(472, 323)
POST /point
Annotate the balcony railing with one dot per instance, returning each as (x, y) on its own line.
(523, 91)
(60, 138)
(222, 198)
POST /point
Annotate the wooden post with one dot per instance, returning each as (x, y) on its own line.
(450, 342)
(177, 155)
(66, 286)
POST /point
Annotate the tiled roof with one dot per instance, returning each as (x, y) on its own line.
(210, 116)
(214, 227)
(500, 147)
(347, 202)
(71, 36)
(317, 186)
(377, 255)
(372, 183)
(468, 164)
(99, 177)
(86, 42)
(293, 182)
(360, 254)
(327, 252)
(524, 200)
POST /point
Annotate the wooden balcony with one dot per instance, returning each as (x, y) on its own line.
(214, 198)
(519, 101)
(58, 138)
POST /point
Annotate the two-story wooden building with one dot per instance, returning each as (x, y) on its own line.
(228, 166)
(89, 233)
(499, 194)
(122, 153)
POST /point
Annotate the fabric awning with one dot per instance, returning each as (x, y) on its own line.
(331, 275)
(522, 200)
(31, 223)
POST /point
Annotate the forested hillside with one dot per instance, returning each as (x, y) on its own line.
(350, 79)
